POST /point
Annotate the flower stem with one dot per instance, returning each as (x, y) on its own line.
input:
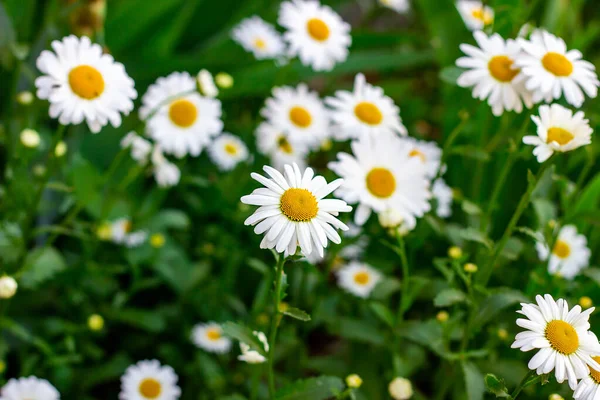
(405, 277)
(527, 381)
(275, 324)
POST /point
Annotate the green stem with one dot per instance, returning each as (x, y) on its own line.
(448, 144)
(527, 381)
(512, 157)
(275, 324)
(405, 277)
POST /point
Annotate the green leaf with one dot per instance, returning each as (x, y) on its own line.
(535, 235)
(357, 330)
(147, 320)
(173, 219)
(40, 265)
(474, 235)
(450, 74)
(383, 312)
(498, 300)
(428, 334)
(593, 274)
(87, 184)
(448, 297)
(258, 265)
(297, 313)
(496, 386)
(320, 388)
(7, 38)
(385, 288)
(470, 208)
(473, 381)
(11, 242)
(589, 199)
(244, 335)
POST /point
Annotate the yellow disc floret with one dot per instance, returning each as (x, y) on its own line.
(562, 337)
(368, 113)
(150, 388)
(559, 135)
(317, 29)
(557, 64)
(381, 182)
(86, 82)
(183, 113)
(500, 68)
(300, 117)
(299, 205)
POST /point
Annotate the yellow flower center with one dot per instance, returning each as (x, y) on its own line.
(150, 388)
(231, 149)
(300, 117)
(381, 182)
(361, 278)
(562, 337)
(317, 29)
(127, 226)
(561, 249)
(557, 64)
(86, 82)
(213, 334)
(284, 145)
(417, 153)
(368, 113)
(260, 44)
(482, 15)
(299, 205)
(595, 375)
(559, 135)
(500, 68)
(183, 113)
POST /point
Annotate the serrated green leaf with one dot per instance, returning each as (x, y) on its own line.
(41, 265)
(297, 313)
(320, 388)
(496, 386)
(448, 297)
(244, 335)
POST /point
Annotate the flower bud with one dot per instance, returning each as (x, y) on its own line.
(8, 287)
(400, 389)
(30, 138)
(354, 381)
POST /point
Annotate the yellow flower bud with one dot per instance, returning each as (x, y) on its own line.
(354, 381)
(470, 268)
(555, 396)
(30, 138)
(585, 302)
(224, 80)
(442, 316)
(104, 231)
(502, 334)
(60, 149)
(25, 98)
(157, 240)
(455, 252)
(95, 322)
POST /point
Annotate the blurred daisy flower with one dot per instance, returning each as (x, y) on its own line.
(589, 387)
(121, 233)
(227, 150)
(401, 6)
(272, 142)
(428, 153)
(475, 15)
(29, 388)
(358, 278)
(253, 356)
(569, 255)
(558, 130)
(82, 83)
(165, 172)
(293, 210)
(381, 175)
(260, 38)
(552, 71)
(364, 111)
(140, 147)
(492, 73)
(178, 117)
(149, 380)
(209, 336)
(562, 336)
(442, 193)
(315, 33)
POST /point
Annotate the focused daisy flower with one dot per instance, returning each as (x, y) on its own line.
(82, 83)
(210, 337)
(558, 130)
(358, 278)
(401, 6)
(381, 175)
(551, 71)
(149, 380)
(121, 233)
(315, 33)
(227, 150)
(140, 147)
(569, 255)
(428, 153)
(253, 356)
(30, 388)
(178, 117)
(274, 143)
(589, 387)
(562, 336)
(442, 194)
(475, 15)
(293, 211)
(165, 172)
(492, 73)
(259, 38)
(364, 111)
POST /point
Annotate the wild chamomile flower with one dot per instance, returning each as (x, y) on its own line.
(274, 143)
(551, 71)
(475, 15)
(315, 33)
(82, 83)
(140, 147)
(358, 278)
(381, 175)
(364, 111)
(442, 193)
(300, 113)
(259, 37)
(569, 255)
(30, 388)
(227, 150)
(178, 117)
(209, 336)
(121, 233)
(400, 6)
(429, 153)
(293, 210)
(253, 356)
(165, 172)
(492, 73)
(149, 380)
(589, 387)
(558, 130)
(562, 336)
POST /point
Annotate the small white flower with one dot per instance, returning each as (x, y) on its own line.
(475, 15)
(121, 233)
(558, 130)
(260, 38)
(148, 380)
(209, 336)
(226, 151)
(165, 172)
(400, 389)
(30, 388)
(30, 138)
(140, 147)
(442, 194)
(8, 287)
(274, 143)
(253, 356)
(569, 255)
(358, 278)
(400, 6)
(206, 84)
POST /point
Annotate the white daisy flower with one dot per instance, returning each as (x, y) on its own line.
(562, 336)
(428, 153)
(293, 210)
(558, 130)
(178, 117)
(82, 83)
(227, 150)
(569, 255)
(259, 38)
(121, 233)
(206, 84)
(365, 111)
(165, 172)
(209, 336)
(492, 73)
(589, 387)
(358, 278)
(443, 195)
(274, 143)
(140, 147)
(475, 15)
(149, 380)
(30, 388)
(299, 113)
(552, 71)
(400, 6)
(381, 175)
(315, 33)
(253, 356)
